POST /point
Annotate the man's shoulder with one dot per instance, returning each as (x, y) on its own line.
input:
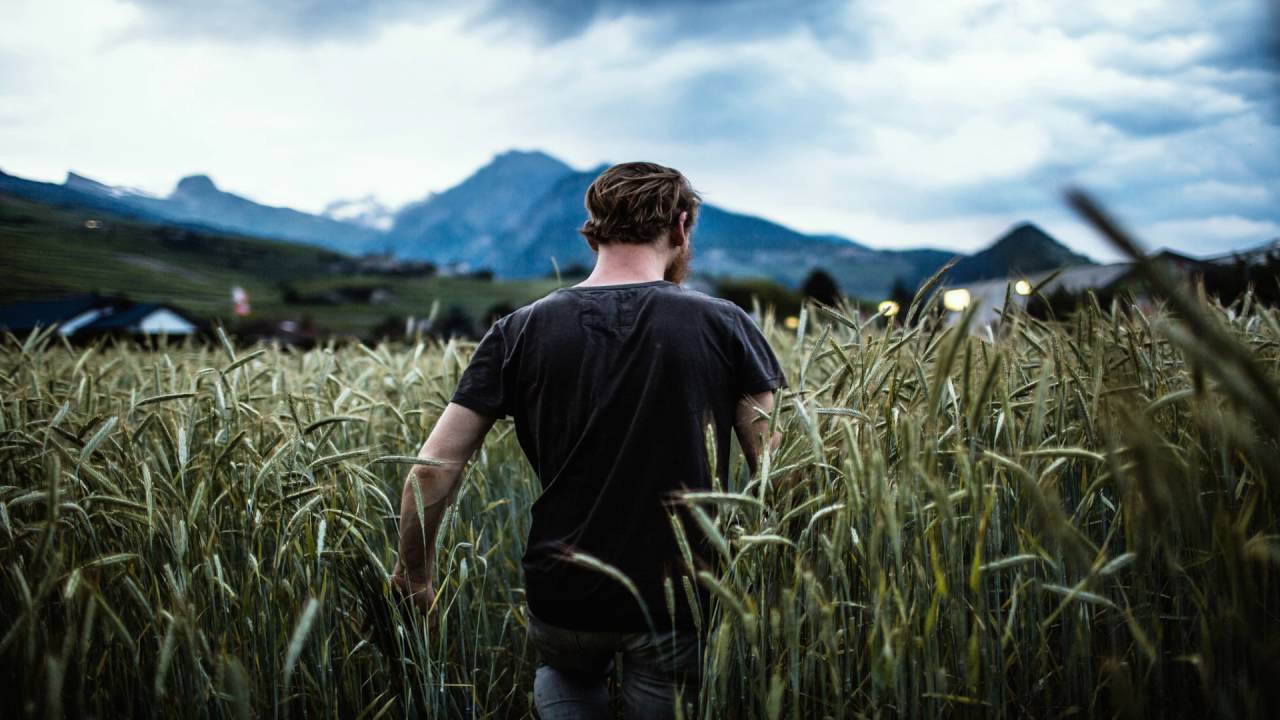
(552, 300)
(689, 302)
(708, 303)
(548, 304)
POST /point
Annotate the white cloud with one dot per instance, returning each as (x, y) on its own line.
(978, 149)
(1212, 234)
(1218, 191)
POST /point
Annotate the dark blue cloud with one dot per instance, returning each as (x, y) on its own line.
(544, 21)
(1224, 167)
(1028, 194)
(1153, 119)
(295, 21)
(669, 21)
(754, 106)
(245, 21)
(1247, 34)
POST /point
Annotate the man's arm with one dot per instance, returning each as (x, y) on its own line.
(454, 439)
(752, 425)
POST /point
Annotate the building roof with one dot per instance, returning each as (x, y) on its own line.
(125, 318)
(23, 316)
(94, 314)
(1256, 255)
(1078, 278)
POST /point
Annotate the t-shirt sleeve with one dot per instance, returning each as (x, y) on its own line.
(758, 368)
(483, 387)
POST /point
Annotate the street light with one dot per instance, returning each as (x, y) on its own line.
(956, 300)
(1022, 287)
(888, 308)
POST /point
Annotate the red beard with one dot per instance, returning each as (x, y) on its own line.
(678, 269)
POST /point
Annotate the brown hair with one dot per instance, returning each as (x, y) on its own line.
(635, 202)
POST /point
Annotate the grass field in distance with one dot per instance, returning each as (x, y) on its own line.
(49, 252)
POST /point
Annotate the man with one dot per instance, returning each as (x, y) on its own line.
(612, 384)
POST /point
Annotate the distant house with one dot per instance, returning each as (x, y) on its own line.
(1259, 255)
(84, 316)
(1073, 280)
(383, 264)
(990, 295)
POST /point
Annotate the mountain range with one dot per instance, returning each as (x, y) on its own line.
(518, 217)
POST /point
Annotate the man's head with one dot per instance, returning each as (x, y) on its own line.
(642, 203)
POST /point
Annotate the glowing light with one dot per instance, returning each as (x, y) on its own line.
(1022, 287)
(956, 300)
(93, 224)
(888, 308)
(792, 322)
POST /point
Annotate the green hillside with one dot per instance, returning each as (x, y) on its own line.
(47, 252)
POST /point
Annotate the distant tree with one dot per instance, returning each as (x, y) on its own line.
(572, 270)
(1057, 304)
(417, 269)
(821, 287)
(785, 302)
(454, 323)
(391, 328)
(901, 294)
(497, 312)
(1229, 281)
(482, 274)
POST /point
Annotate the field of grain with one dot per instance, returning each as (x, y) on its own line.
(1046, 519)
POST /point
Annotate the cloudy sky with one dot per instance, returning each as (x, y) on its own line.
(899, 124)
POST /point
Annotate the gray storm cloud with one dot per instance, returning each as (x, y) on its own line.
(545, 21)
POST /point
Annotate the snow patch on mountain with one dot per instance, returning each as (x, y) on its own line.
(367, 211)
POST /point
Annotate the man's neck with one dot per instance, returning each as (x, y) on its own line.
(625, 264)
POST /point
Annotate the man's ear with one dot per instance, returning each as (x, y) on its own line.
(679, 232)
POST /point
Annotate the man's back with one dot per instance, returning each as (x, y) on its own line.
(612, 389)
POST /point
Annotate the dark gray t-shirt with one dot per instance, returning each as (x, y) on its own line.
(612, 390)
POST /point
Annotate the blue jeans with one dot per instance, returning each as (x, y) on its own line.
(574, 667)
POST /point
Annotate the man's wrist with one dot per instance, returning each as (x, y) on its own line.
(420, 575)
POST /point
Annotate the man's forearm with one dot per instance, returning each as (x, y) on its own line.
(436, 485)
(752, 426)
(454, 439)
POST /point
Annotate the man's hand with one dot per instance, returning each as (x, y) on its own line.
(421, 595)
(453, 440)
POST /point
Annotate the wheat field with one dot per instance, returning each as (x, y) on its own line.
(1043, 518)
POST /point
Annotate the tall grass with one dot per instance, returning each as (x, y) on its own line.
(1046, 519)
